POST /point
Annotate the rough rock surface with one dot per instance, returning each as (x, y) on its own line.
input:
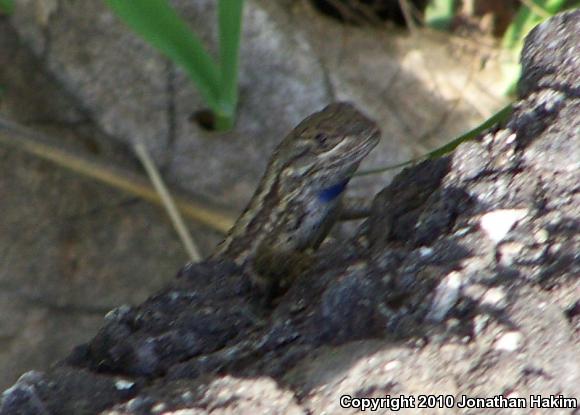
(464, 281)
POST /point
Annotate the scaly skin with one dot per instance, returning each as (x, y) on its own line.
(298, 198)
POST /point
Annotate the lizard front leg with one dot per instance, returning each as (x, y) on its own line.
(272, 271)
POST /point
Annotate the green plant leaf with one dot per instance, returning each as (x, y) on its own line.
(513, 40)
(497, 118)
(7, 6)
(230, 27)
(158, 23)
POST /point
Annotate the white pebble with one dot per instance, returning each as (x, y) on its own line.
(509, 342)
(498, 223)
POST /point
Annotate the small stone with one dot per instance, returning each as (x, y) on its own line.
(474, 291)
(510, 138)
(158, 408)
(541, 236)
(446, 296)
(508, 252)
(498, 223)
(494, 297)
(509, 342)
(138, 404)
(392, 365)
(116, 314)
(480, 322)
(123, 384)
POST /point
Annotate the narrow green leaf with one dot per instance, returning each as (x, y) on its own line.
(497, 118)
(230, 25)
(158, 23)
(513, 40)
(7, 6)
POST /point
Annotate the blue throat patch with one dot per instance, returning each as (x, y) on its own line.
(332, 192)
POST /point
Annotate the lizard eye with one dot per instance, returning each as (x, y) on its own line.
(321, 138)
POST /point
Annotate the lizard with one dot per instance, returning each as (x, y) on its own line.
(299, 196)
(291, 212)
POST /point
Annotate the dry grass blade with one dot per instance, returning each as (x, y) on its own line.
(168, 203)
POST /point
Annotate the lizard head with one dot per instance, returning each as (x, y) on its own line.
(328, 146)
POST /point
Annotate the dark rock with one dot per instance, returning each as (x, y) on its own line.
(398, 207)
(550, 56)
(199, 314)
(65, 391)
